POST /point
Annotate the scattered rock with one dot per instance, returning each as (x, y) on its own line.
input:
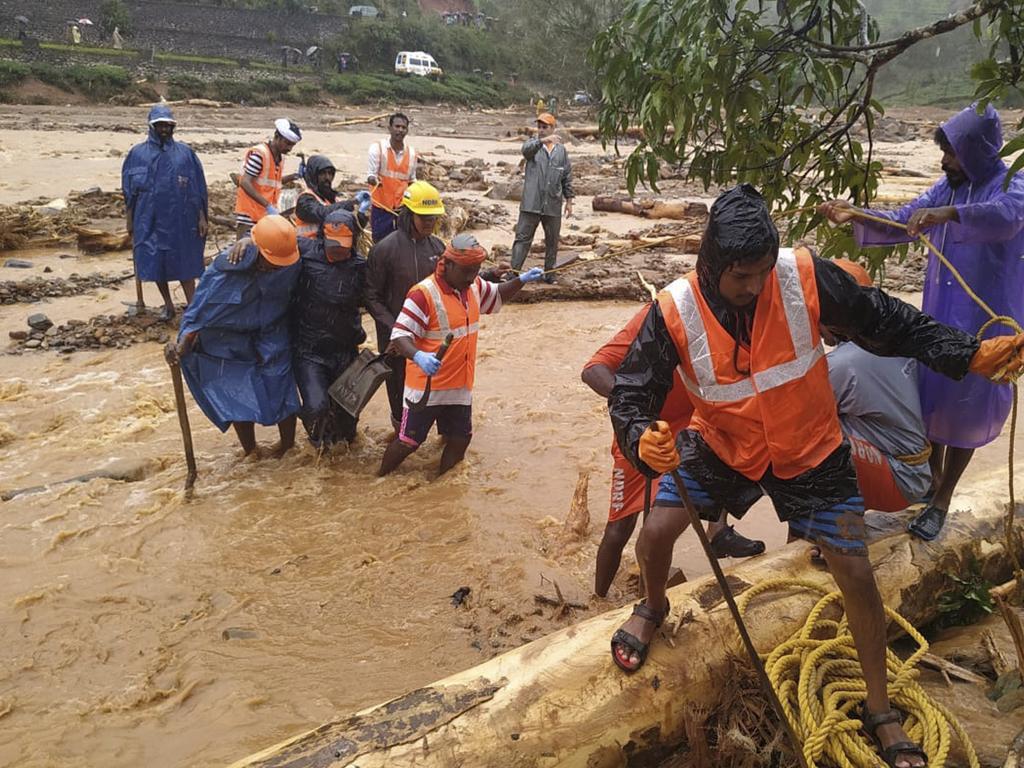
(238, 633)
(40, 322)
(33, 343)
(18, 264)
(18, 335)
(98, 332)
(35, 288)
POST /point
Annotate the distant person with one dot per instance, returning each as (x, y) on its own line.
(391, 167)
(165, 209)
(76, 35)
(117, 40)
(259, 185)
(397, 263)
(319, 198)
(234, 345)
(447, 303)
(541, 107)
(979, 226)
(22, 28)
(547, 180)
(327, 325)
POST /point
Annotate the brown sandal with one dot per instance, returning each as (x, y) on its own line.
(894, 751)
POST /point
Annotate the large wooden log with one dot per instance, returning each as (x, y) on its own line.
(561, 701)
(649, 208)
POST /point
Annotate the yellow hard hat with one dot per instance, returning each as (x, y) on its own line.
(275, 237)
(423, 198)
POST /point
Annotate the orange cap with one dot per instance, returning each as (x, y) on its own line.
(338, 233)
(856, 271)
(547, 118)
(275, 237)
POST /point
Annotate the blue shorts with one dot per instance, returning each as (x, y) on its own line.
(452, 421)
(822, 505)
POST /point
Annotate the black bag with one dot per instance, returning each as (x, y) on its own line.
(359, 382)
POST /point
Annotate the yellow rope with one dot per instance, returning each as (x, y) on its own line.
(818, 679)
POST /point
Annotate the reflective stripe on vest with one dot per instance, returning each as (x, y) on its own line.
(706, 386)
(393, 177)
(458, 368)
(307, 228)
(442, 316)
(268, 184)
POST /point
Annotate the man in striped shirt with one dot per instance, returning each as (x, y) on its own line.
(259, 185)
(437, 330)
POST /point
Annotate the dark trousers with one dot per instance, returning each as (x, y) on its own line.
(382, 223)
(525, 229)
(395, 382)
(325, 422)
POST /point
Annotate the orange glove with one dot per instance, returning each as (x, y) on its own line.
(1000, 359)
(657, 448)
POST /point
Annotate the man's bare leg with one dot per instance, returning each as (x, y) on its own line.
(454, 452)
(609, 552)
(929, 522)
(286, 431)
(394, 455)
(866, 617)
(936, 462)
(654, 553)
(246, 432)
(189, 288)
(165, 294)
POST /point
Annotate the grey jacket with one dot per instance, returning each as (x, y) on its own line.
(548, 179)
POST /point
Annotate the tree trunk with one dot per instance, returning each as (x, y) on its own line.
(561, 701)
(649, 208)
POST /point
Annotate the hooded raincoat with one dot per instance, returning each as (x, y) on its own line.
(165, 191)
(987, 247)
(240, 365)
(327, 332)
(307, 207)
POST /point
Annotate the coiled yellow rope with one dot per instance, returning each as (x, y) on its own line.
(818, 679)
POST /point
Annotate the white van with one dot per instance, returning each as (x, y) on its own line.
(416, 63)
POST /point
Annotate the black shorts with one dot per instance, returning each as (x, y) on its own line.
(452, 421)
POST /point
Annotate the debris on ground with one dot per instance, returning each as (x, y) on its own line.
(95, 333)
(37, 288)
(649, 208)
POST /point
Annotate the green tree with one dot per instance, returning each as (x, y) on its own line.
(774, 94)
(114, 13)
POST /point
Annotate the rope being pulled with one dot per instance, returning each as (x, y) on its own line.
(818, 680)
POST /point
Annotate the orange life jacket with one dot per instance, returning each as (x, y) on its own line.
(305, 228)
(393, 177)
(447, 314)
(268, 184)
(783, 412)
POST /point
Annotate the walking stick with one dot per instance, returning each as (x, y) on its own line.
(755, 659)
(186, 430)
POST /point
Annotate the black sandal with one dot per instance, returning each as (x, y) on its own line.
(621, 637)
(890, 754)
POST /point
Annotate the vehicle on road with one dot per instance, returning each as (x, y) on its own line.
(417, 63)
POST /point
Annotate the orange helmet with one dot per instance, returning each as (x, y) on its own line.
(275, 237)
(856, 271)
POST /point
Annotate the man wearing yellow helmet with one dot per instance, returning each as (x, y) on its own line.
(397, 263)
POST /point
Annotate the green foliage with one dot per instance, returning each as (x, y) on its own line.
(364, 89)
(12, 73)
(754, 97)
(114, 13)
(968, 601)
(100, 81)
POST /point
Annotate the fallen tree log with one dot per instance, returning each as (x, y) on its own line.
(648, 208)
(561, 701)
(357, 120)
(94, 240)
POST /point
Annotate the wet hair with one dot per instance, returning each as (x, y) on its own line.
(943, 141)
(397, 116)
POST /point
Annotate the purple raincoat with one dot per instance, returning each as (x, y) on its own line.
(987, 248)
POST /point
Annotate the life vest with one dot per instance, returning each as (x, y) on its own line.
(783, 412)
(308, 228)
(447, 315)
(268, 184)
(392, 177)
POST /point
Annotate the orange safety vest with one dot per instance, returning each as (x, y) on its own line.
(392, 177)
(783, 413)
(307, 228)
(268, 184)
(447, 314)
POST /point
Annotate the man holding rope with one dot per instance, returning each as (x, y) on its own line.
(744, 331)
(979, 226)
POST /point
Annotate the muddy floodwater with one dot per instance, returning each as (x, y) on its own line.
(142, 629)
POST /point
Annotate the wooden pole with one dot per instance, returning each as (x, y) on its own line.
(186, 429)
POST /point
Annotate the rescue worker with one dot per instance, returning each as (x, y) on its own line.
(326, 324)
(975, 216)
(547, 179)
(450, 301)
(391, 167)
(744, 327)
(627, 484)
(397, 263)
(319, 197)
(259, 184)
(166, 208)
(234, 346)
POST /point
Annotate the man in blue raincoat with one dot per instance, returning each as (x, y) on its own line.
(166, 208)
(979, 226)
(234, 346)
(326, 324)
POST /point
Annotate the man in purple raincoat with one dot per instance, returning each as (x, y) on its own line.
(979, 226)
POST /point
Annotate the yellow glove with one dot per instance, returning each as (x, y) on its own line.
(1000, 359)
(657, 448)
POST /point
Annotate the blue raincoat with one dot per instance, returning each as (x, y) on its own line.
(987, 247)
(165, 190)
(239, 368)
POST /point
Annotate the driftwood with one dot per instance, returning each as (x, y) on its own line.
(951, 670)
(647, 208)
(192, 103)
(1015, 756)
(358, 120)
(1001, 596)
(128, 471)
(560, 700)
(93, 240)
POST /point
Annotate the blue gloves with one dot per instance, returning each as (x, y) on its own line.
(302, 169)
(272, 211)
(427, 362)
(363, 198)
(534, 274)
